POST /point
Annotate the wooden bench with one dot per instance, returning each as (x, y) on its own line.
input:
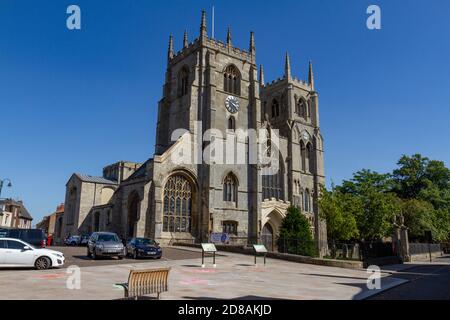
(143, 282)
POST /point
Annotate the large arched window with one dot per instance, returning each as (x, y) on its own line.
(275, 108)
(230, 188)
(273, 184)
(307, 201)
(177, 205)
(183, 82)
(232, 80)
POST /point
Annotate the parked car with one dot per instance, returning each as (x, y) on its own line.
(18, 253)
(84, 240)
(143, 248)
(72, 241)
(35, 237)
(105, 244)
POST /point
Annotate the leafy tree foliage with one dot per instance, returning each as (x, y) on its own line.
(295, 234)
(340, 211)
(419, 189)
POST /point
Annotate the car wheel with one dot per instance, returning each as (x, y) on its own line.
(43, 263)
(94, 254)
(159, 257)
(135, 255)
(88, 253)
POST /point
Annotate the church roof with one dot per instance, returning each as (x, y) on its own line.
(91, 179)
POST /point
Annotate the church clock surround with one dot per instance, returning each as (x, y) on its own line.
(232, 104)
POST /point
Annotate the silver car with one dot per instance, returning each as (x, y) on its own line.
(105, 244)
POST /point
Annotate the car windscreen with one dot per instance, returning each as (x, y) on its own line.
(107, 237)
(145, 242)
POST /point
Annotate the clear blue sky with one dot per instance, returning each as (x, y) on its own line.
(74, 101)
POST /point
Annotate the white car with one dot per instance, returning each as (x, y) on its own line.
(17, 253)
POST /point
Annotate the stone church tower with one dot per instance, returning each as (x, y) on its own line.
(212, 90)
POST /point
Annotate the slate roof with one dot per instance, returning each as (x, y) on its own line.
(91, 179)
(23, 212)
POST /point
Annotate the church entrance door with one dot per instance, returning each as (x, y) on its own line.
(267, 237)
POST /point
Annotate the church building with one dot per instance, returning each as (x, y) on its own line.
(210, 84)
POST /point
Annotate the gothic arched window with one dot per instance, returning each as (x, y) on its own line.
(303, 155)
(302, 108)
(275, 108)
(273, 185)
(232, 80)
(307, 204)
(309, 163)
(177, 204)
(230, 188)
(231, 123)
(183, 82)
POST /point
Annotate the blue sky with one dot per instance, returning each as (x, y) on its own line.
(74, 101)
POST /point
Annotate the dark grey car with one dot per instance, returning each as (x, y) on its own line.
(105, 244)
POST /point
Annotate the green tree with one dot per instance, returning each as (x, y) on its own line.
(375, 206)
(295, 234)
(428, 182)
(339, 211)
(418, 216)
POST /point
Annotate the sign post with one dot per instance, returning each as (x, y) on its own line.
(208, 248)
(429, 237)
(260, 249)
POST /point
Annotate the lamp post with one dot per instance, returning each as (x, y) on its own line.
(9, 185)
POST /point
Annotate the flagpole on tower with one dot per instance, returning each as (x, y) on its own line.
(212, 33)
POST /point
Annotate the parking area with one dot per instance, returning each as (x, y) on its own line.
(235, 277)
(78, 256)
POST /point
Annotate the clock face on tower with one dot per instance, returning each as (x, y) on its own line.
(232, 104)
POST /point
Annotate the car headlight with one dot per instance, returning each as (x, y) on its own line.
(100, 246)
(57, 255)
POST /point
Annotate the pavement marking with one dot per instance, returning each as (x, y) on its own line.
(51, 276)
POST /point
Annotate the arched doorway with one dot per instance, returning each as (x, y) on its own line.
(132, 218)
(267, 237)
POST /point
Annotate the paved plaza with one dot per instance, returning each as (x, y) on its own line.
(235, 277)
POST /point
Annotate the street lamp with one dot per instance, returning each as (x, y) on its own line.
(9, 185)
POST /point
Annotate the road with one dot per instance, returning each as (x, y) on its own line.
(426, 282)
(77, 256)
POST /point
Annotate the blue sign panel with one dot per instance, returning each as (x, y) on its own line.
(220, 237)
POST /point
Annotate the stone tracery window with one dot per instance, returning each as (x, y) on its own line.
(183, 82)
(177, 214)
(230, 227)
(307, 201)
(273, 185)
(230, 188)
(232, 80)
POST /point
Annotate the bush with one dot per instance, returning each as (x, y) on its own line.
(295, 234)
